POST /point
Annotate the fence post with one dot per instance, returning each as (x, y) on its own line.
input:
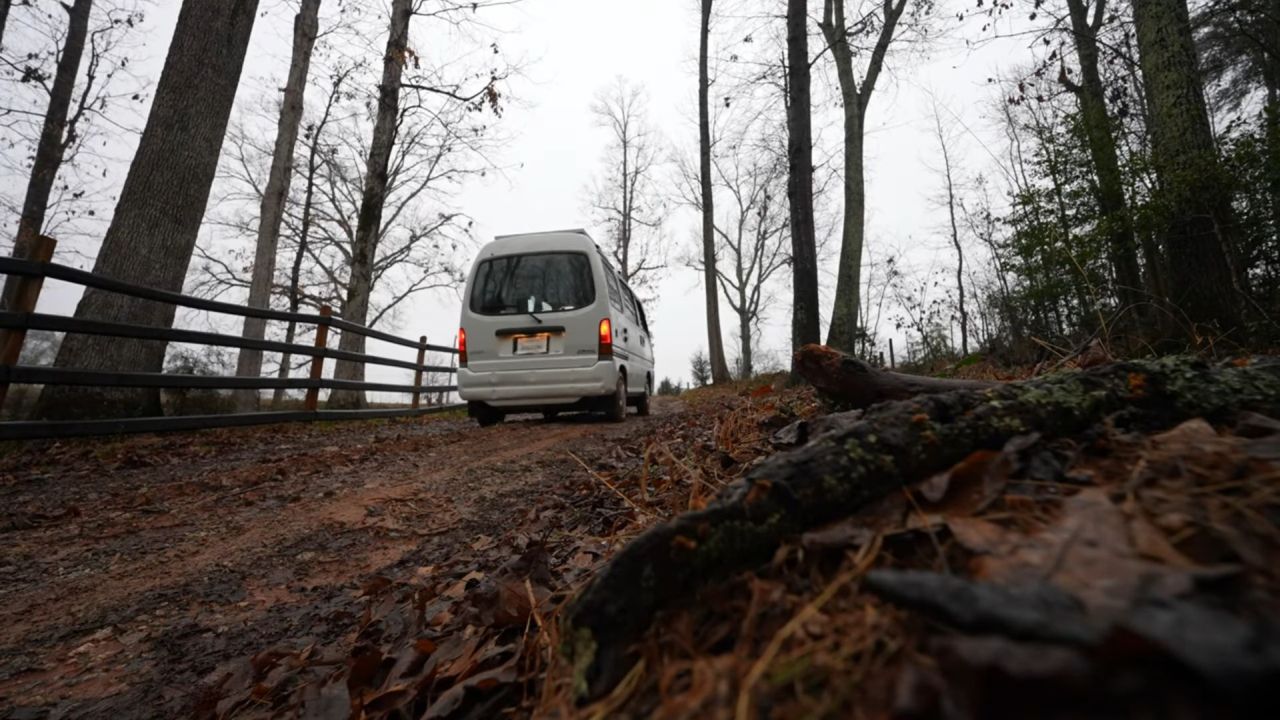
(892, 363)
(317, 361)
(24, 301)
(417, 374)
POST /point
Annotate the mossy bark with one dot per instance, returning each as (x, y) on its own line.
(862, 456)
(1194, 217)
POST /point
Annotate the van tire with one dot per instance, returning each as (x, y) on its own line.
(642, 404)
(486, 416)
(617, 411)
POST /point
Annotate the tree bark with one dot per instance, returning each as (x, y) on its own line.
(276, 194)
(805, 319)
(54, 139)
(1113, 207)
(861, 456)
(1271, 120)
(161, 205)
(715, 343)
(368, 225)
(4, 18)
(844, 331)
(1194, 197)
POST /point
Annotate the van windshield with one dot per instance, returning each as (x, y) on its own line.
(535, 282)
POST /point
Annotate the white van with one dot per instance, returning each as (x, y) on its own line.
(548, 326)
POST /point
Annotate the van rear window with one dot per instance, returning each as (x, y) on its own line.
(535, 282)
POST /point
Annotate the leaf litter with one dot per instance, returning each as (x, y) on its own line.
(1115, 574)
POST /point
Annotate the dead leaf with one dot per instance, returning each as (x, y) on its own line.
(452, 698)
(971, 485)
(1150, 542)
(980, 536)
(838, 535)
(1086, 551)
(505, 602)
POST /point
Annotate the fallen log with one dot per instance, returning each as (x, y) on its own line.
(855, 384)
(860, 457)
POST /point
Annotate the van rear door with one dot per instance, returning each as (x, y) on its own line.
(532, 311)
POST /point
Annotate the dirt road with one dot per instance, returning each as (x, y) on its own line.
(131, 568)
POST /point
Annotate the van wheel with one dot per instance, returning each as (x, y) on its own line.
(642, 405)
(617, 411)
(486, 416)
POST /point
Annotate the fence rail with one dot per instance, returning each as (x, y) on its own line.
(20, 318)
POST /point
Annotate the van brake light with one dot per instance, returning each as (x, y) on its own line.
(462, 347)
(606, 338)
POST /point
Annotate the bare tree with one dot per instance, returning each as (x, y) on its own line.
(276, 193)
(805, 323)
(420, 229)
(420, 233)
(367, 261)
(153, 232)
(56, 135)
(882, 24)
(73, 61)
(947, 172)
(355, 308)
(719, 368)
(315, 133)
(752, 173)
(625, 198)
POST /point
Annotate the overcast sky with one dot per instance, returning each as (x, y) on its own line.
(572, 48)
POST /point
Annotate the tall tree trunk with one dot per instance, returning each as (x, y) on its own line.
(715, 344)
(955, 233)
(54, 139)
(1156, 266)
(1271, 118)
(805, 321)
(843, 332)
(158, 215)
(1194, 196)
(1113, 209)
(304, 232)
(276, 194)
(368, 225)
(744, 328)
(4, 18)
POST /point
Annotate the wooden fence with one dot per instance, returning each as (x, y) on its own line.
(21, 317)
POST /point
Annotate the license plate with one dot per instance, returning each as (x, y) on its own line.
(533, 345)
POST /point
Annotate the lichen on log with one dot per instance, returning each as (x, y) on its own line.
(860, 457)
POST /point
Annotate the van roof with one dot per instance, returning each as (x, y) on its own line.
(572, 231)
(540, 241)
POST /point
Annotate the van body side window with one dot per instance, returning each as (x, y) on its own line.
(630, 299)
(644, 322)
(615, 295)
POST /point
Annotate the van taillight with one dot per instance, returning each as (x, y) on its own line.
(606, 338)
(462, 347)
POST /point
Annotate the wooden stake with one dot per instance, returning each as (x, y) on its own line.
(24, 301)
(417, 374)
(317, 361)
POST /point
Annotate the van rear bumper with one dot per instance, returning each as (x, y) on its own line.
(535, 388)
